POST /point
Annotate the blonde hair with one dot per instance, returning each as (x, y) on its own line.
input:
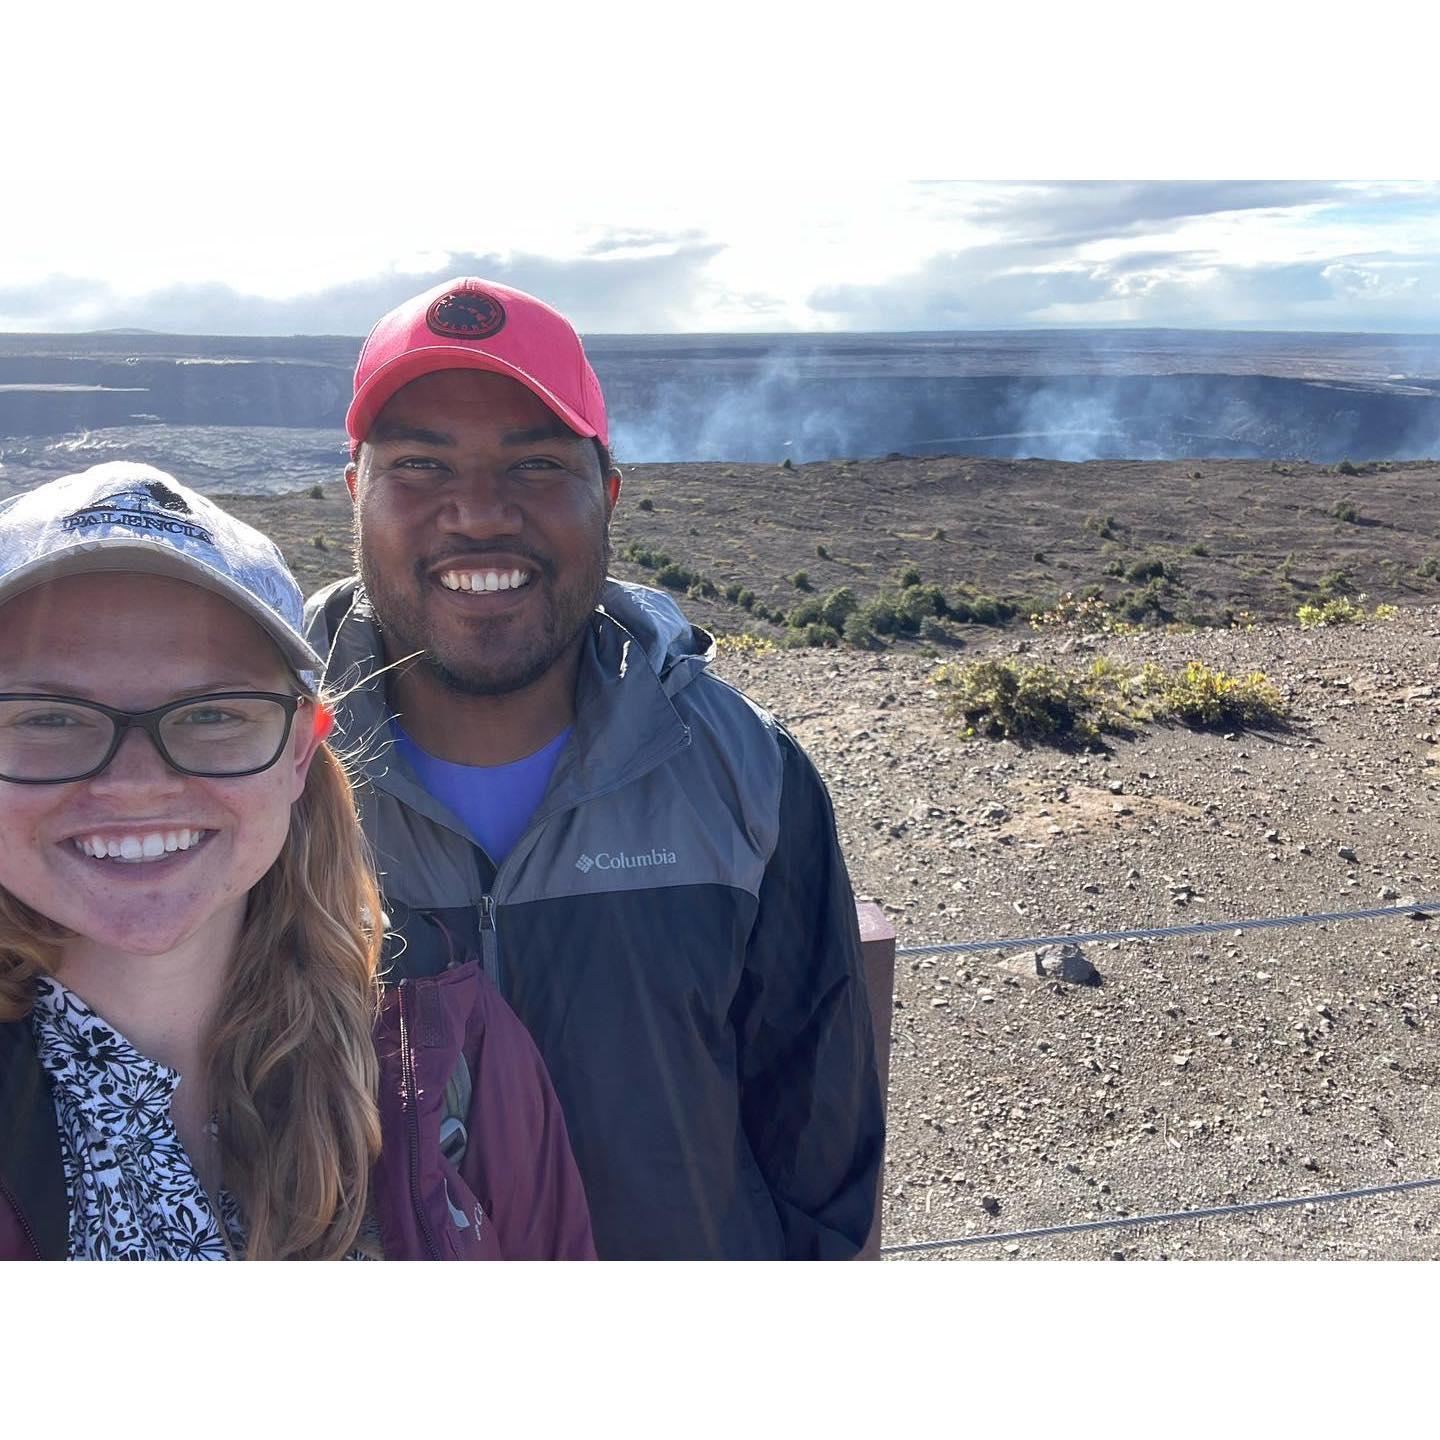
(290, 1053)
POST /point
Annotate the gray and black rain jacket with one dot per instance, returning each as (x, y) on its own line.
(676, 929)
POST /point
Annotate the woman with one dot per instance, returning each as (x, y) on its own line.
(195, 1060)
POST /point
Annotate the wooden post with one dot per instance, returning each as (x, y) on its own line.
(877, 949)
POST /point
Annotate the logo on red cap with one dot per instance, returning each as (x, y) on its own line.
(466, 315)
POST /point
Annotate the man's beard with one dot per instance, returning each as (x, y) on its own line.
(400, 613)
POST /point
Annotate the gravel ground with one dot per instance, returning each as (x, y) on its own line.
(1202, 1070)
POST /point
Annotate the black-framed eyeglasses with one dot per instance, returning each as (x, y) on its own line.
(53, 739)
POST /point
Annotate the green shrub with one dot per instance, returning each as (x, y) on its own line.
(317, 492)
(702, 588)
(1332, 612)
(1345, 510)
(1150, 567)
(1039, 558)
(1198, 548)
(1346, 468)
(918, 602)
(909, 576)
(647, 504)
(838, 606)
(1008, 700)
(800, 580)
(807, 612)
(937, 533)
(857, 632)
(822, 635)
(1116, 569)
(822, 552)
(787, 463)
(320, 542)
(1206, 699)
(732, 592)
(1340, 581)
(674, 577)
(880, 616)
(746, 599)
(1105, 526)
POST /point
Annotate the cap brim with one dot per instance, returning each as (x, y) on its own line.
(126, 555)
(372, 397)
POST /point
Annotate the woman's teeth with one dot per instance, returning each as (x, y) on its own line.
(477, 580)
(136, 849)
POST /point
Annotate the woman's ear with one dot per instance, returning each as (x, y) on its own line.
(309, 740)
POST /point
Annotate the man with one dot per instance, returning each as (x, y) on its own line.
(645, 862)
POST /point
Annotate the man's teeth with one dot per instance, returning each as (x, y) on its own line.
(477, 580)
(137, 848)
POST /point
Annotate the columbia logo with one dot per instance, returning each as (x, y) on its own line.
(620, 860)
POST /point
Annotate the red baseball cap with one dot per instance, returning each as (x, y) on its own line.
(470, 324)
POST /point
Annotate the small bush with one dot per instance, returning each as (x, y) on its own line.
(320, 543)
(976, 609)
(822, 552)
(675, 577)
(701, 588)
(1105, 526)
(938, 631)
(745, 644)
(317, 492)
(808, 612)
(1346, 468)
(800, 580)
(1115, 569)
(937, 533)
(1150, 567)
(1039, 558)
(746, 599)
(787, 463)
(822, 635)
(732, 593)
(1344, 510)
(1010, 701)
(838, 606)
(1384, 612)
(879, 615)
(1208, 699)
(1332, 612)
(857, 632)
(909, 576)
(1198, 548)
(1340, 581)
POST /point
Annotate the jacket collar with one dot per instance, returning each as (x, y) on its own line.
(30, 1162)
(639, 654)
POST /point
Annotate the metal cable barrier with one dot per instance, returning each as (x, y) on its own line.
(1161, 932)
(1161, 1218)
(1417, 908)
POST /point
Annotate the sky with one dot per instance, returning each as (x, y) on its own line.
(280, 172)
(735, 257)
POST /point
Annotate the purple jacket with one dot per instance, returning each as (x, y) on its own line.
(514, 1195)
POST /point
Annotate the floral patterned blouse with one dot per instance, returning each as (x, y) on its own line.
(133, 1192)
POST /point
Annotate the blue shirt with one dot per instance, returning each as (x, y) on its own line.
(495, 801)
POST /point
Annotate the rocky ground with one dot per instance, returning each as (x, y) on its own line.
(1202, 1070)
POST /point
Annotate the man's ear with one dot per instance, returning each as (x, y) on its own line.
(612, 487)
(352, 473)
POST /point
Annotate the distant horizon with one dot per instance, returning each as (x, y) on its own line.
(1103, 329)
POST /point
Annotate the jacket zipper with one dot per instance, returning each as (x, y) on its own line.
(410, 1099)
(8, 1196)
(489, 939)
